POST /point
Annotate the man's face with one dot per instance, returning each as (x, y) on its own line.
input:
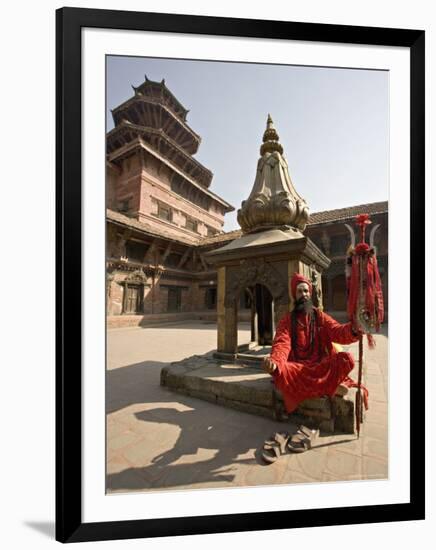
(302, 292)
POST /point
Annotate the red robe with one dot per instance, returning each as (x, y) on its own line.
(316, 372)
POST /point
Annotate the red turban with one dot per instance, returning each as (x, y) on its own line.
(297, 279)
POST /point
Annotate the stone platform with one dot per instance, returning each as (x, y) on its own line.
(245, 387)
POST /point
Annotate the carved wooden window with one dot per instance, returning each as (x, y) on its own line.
(211, 231)
(135, 251)
(164, 212)
(125, 206)
(191, 224)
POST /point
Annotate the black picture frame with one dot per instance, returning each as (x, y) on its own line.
(69, 22)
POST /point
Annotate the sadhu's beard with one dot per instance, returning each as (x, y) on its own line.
(304, 305)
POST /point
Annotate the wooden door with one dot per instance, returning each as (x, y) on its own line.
(174, 299)
(132, 299)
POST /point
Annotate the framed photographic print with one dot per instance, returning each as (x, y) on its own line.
(225, 189)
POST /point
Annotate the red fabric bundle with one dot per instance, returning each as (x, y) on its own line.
(364, 266)
(372, 291)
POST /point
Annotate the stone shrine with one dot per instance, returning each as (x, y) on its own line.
(270, 249)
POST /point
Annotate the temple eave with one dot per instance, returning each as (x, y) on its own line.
(147, 84)
(117, 113)
(189, 163)
(282, 244)
(138, 143)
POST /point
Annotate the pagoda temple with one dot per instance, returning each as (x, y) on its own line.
(159, 206)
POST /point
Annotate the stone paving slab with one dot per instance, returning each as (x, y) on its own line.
(158, 440)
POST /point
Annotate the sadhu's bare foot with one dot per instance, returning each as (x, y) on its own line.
(268, 365)
(341, 390)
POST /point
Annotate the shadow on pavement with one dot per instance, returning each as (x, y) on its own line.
(137, 383)
(163, 472)
(206, 426)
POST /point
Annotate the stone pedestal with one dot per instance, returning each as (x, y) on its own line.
(246, 388)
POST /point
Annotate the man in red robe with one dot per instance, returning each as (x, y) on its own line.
(303, 361)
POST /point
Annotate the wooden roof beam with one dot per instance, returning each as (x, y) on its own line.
(184, 258)
(167, 252)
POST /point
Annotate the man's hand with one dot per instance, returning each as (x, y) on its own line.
(268, 365)
(357, 328)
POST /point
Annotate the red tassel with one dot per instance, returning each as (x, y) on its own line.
(352, 384)
(371, 341)
(379, 294)
(362, 249)
(362, 219)
(370, 283)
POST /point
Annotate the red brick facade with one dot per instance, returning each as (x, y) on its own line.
(159, 208)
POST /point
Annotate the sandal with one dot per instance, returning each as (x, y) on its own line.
(301, 441)
(274, 447)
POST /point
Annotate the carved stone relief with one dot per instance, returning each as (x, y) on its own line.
(137, 277)
(315, 278)
(256, 272)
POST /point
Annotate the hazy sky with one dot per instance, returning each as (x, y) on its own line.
(332, 123)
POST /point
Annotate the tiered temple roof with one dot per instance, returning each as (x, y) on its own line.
(153, 122)
(155, 115)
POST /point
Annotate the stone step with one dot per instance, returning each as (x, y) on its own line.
(245, 387)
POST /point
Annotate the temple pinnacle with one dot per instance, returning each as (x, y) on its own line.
(273, 201)
(270, 139)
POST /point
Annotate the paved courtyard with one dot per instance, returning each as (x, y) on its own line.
(161, 440)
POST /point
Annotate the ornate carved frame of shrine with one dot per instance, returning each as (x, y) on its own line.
(70, 525)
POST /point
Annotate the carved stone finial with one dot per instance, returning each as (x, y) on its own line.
(270, 139)
(273, 201)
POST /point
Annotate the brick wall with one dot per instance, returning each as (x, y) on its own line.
(127, 185)
(115, 297)
(154, 190)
